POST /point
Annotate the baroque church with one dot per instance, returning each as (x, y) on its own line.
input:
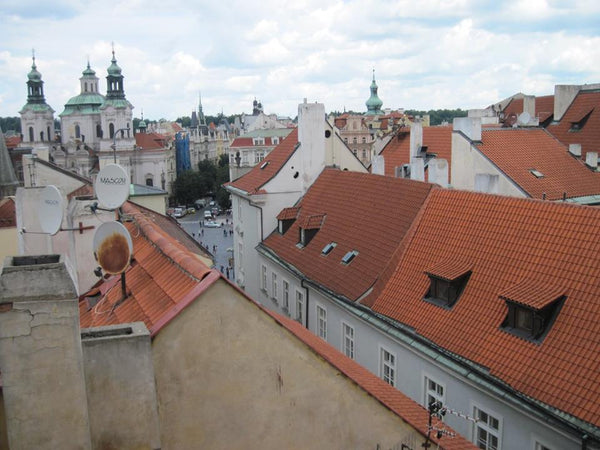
(95, 130)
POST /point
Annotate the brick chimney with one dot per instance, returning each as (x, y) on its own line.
(40, 355)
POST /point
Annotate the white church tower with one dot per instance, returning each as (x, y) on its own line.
(37, 118)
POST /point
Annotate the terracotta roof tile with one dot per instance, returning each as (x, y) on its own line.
(450, 268)
(162, 272)
(288, 213)
(367, 213)
(589, 135)
(438, 140)
(519, 151)
(544, 107)
(509, 240)
(533, 293)
(311, 222)
(151, 141)
(253, 181)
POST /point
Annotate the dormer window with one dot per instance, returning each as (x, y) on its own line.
(286, 218)
(532, 308)
(258, 141)
(578, 122)
(448, 279)
(309, 227)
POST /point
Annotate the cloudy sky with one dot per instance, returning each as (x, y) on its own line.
(426, 54)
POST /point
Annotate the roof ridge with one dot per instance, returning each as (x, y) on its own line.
(169, 246)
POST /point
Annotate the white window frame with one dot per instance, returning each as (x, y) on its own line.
(538, 443)
(348, 343)
(299, 306)
(485, 426)
(321, 313)
(263, 278)
(387, 369)
(285, 287)
(274, 286)
(429, 395)
(275, 140)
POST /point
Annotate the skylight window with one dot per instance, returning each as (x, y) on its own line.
(328, 248)
(263, 165)
(348, 257)
(536, 173)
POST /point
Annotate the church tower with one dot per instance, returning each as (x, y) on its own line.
(37, 118)
(116, 112)
(374, 103)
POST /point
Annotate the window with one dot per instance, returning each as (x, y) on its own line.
(364, 139)
(30, 134)
(275, 140)
(300, 307)
(286, 296)
(274, 286)
(348, 340)
(149, 181)
(487, 429)
(98, 131)
(348, 257)
(387, 366)
(540, 446)
(445, 293)
(327, 249)
(258, 141)
(111, 130)
(258, 157)
(263, 278)
(434, 392)
(364, 154)
(322, 322)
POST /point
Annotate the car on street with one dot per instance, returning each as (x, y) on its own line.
(179, 211)
(208, 215)
(212, 224)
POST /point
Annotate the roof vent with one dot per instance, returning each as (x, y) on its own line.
(575, 150)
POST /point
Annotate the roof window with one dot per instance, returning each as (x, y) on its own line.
(532, 308)
(536, 173)
(448, 279)
(328, 248)
(348, 257)
(579, 121)
(309, 227)
(286, 218)
(263, 165)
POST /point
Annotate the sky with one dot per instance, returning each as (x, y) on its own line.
(425, 55)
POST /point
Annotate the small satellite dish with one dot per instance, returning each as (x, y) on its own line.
(524, 118)
(112, 186)
(50, 209)
(113, 247)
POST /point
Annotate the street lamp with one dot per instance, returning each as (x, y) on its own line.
(114, 145)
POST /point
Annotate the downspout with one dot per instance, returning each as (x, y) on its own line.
(306, 290)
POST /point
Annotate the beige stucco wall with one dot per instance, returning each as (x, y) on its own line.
(8, 242)
(154, 202)
(228, 376)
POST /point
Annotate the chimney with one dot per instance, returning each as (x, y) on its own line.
(529, 105)
(416, 139)
(438, 172)
(563, 97)
(417, 169)
(378, 165)
(591, 159)
(311, 135)
(575, 150)
(469, 126)
(40, 355)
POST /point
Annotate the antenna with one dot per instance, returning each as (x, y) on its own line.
(112, 186)
(50, 207)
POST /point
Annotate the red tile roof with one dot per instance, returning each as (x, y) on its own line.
(82, 191)
(517, 151)
(410, 411)
(8, 217)
(364, 212)
(151, 141)
(253, 181)
(243, 141)
(12, 141)
(589, 135)
(509, 240)
(533, 293)
(544, 107)
(438, 140)
(288, 213)
(162, 275)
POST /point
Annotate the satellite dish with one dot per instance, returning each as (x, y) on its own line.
(113, 247)
(112, 186)
(524, 118)
(50, 208)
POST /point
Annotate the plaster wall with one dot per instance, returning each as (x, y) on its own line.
(41, 358)
(228, 376)
(8, 242)
(520, 430)
(467, 162)
(87, 127)
(154, 202)
(339, 155)
(38, 174)
(121, 393)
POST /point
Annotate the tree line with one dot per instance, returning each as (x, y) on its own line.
(207, 181)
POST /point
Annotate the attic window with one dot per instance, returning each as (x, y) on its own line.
(536, 173)
(263, 165)
(579, 122)
(448, 279)
(328, 248)
(532, 308)
(309, 227)
(348, 257)
(286, 218)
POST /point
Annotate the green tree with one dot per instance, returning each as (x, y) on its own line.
(188, 186)
(184, 121)
(223, 197)
(10, 124)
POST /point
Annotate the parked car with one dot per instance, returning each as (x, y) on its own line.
(179, 211)
(200, 203)
(212, 224)
(216, 211)
(208, 215)
(212, 203)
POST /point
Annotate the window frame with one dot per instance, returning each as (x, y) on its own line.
(299, 305)
(480, 424)
(321, 313)
(263, 278)
(434, 395)
(285, 293)
(383, 365)
(274, 286)
(348, 350)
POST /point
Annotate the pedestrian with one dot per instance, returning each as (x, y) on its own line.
(224, 232)
(222, 268)
(227, 272)
(193, 235)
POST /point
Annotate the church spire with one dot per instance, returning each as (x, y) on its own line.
(200, 111)
(374, 103)
(114, 80)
